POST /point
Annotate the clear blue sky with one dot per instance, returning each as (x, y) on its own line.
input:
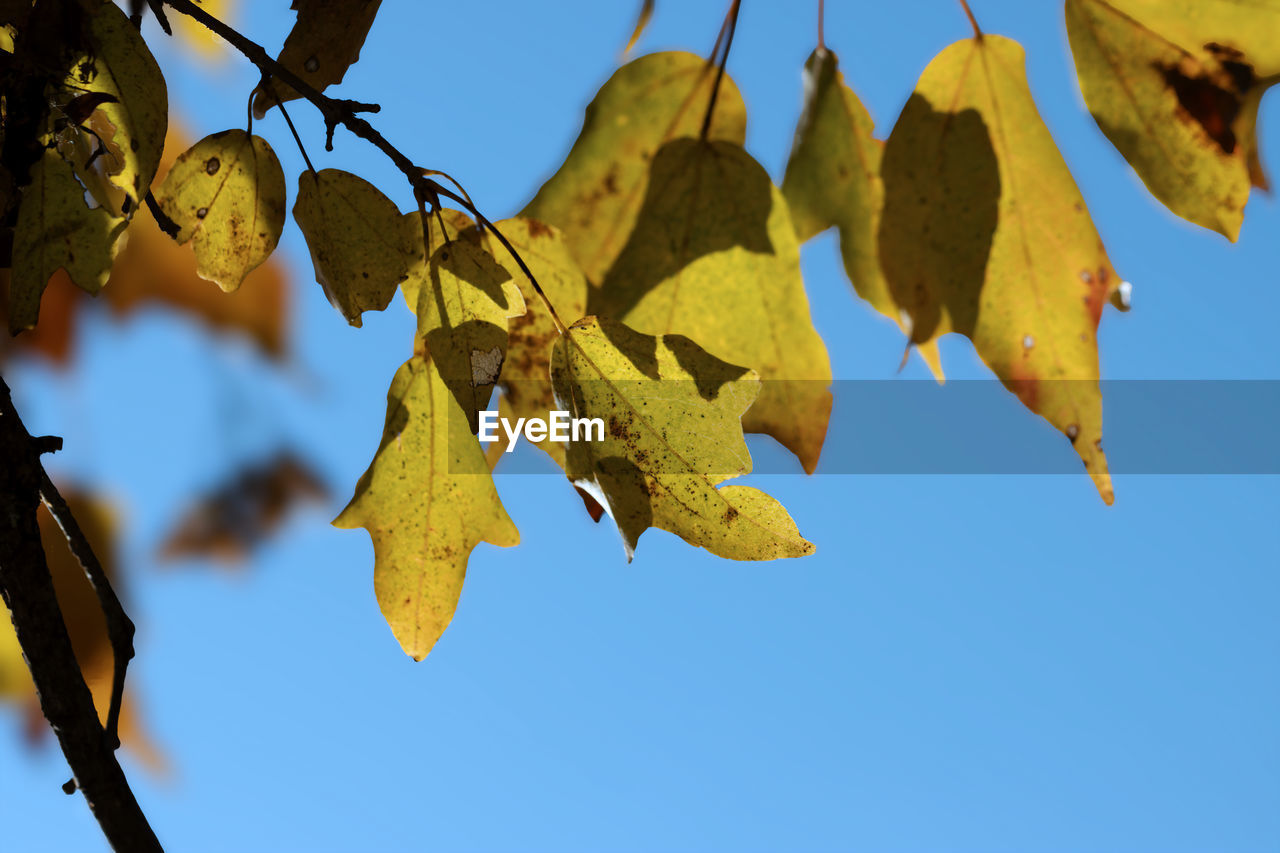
(968, 663)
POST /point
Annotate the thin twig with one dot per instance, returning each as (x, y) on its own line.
(120, 629)
(343, 112)
(731, 24)
(822, 44)
(973, 22)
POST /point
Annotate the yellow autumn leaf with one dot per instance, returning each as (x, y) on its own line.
(595, 196)
(714, 256)
(226, 194)
(427, 500)
(1176, 86)
(200, 38)
(642, 21)
(463, 308)
(833, 180)
(455, 222)
(359, 247)
(526, 378)
(325, 41)
(672, 432)
(56, 229)
(117, 63)
(985, 233)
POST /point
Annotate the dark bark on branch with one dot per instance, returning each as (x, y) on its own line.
(28, 591)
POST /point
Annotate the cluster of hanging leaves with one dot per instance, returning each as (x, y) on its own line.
(653, 282)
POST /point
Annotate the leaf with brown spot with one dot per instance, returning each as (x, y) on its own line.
(325, 41)
(673, 433)
(226, 195)
(985, 233)
(714, 256)
(1176, 86)
(427, 500)
(597, 193)
(833, 180)
(359, 247)
(152, 269)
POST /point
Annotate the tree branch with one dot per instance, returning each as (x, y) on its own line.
(343, 112)
(27, 588)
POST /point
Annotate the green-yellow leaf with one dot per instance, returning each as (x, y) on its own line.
(56, 229)
(226, 193)
(325, 41)
(833, 180)
(132, 126)
(672, 415)
(1175, 86)
(427, 500)
(596, 195)
(464, 299)
(359, 247)
(985, 234)
(714, 256)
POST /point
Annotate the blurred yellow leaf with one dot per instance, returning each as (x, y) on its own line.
(360, 248)
(596, 195)
(984, 233)
(833, 179)
(642, 21)
(200, 38)
(86, 624)
(226, 194)
(672, 432)
(427, 500)
(714, 256)
(1176, 86)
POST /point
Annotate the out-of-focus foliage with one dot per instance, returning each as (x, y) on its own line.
(84, 619)
(230, 521)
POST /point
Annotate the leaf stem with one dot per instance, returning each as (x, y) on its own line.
(292, 129)
(726, 31)
(973, 22)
